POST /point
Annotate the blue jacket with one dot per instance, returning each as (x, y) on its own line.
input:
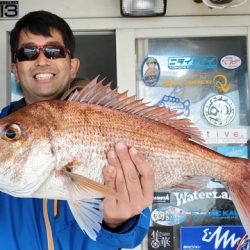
(40, 224)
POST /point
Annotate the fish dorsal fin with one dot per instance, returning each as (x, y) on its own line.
(97, 93)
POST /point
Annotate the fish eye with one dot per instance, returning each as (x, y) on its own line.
(12, 132)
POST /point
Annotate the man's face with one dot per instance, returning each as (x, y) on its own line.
(44, 78)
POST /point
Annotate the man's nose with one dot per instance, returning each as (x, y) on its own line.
(42, 59)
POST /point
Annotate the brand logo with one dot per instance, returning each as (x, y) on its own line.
(160, 238)
(220, 238)
(198, 215)
(219, 110)
(186, 197)
(225, 136)
(168, 216)
(161, 197)
(150, 71)
(175, 103)
(219, 82)
(192, 62)
(211, 237)
(230, 62)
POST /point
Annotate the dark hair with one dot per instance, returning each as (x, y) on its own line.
(40, 23)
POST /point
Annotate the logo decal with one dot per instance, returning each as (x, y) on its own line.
(230, 62)
(175, 103)
(192, 62)
(168, 216)
(219, 110)
(210, 237)
(150, 71)
(160, 238)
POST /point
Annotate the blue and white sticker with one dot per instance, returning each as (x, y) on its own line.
(150, 71)
(168, 215)
(175, 103)
(219, 110)
(210, 237)
(192, 62)
(230, 62)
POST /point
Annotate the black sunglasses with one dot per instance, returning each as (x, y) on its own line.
(50, 51)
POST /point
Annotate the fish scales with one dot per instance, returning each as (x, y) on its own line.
(57, 149)
(86, 135)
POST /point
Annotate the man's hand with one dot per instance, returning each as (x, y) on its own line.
(133, 179)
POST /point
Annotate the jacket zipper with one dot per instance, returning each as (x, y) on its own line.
(47, 224)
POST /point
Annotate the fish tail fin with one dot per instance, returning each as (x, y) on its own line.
(88, 215)
(240, 194)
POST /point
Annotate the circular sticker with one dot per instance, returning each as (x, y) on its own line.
(150, 71)
(230, 62)
(168, 216)
(219, 110)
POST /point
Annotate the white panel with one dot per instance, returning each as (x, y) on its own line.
(191, 32)
(4, 63)
(125, 53)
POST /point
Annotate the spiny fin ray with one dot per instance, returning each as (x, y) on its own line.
(97, 93)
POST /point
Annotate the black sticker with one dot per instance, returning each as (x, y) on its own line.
(160, 238)
(9, 9)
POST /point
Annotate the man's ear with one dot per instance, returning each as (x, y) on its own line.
(15, 72)
(75, 64)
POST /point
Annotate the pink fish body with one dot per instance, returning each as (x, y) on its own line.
(57, 150)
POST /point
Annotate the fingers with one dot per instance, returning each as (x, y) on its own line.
(133, 180)
(120, 182)
(130, 173)
(146, 174)
(109, 175)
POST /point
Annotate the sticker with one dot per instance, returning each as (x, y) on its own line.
(175, 103)
(161, 197)
(9, 9)
(233, 151)
(150, 71)
(230, 62)
(185, 197)
(219, 110)
(200, 215)
(160, 238)
(210, 237)
(168, 216)
(219, 82)
(225, 136)
(192, 62)
(244, 243)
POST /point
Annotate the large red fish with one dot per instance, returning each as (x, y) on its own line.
(57, 149)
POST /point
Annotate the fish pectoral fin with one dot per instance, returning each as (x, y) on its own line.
(88, 215)
(194, 182)
(85, 188)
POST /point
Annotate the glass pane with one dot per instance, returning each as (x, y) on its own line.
(196, 76)
(206, 79)
(97, 53)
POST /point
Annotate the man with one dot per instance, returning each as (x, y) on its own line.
(42, 48)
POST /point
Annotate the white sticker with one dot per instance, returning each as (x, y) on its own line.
(219, 110)
(230, 62)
